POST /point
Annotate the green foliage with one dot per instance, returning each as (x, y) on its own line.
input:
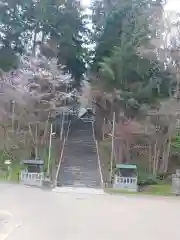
(24, 21)
(124, 35)
(125, 23)
(8, 59)
(175, 145)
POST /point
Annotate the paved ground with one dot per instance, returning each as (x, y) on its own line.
(33, 214)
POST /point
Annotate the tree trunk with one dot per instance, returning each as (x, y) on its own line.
(155, 158)
(166, 156)
(46, 130)
(34, 39)
(127, 151)
(119, 150)
(158, 159)
(150, 158)
(36, 142)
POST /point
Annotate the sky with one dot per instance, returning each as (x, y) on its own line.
(172, 5)
(85, 3)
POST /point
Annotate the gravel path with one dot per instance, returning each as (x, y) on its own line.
(33, 214)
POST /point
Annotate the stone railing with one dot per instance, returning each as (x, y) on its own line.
(126, 183)
(126, 180)
(32, 179)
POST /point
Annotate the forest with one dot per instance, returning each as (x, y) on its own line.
(127, 50)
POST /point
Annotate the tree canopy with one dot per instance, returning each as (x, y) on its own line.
(125, 56)
(122, 46)
(57, 26)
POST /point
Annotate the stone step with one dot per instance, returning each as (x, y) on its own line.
(87, 182)
(82, 140)
(77, 183)
(79, 167)
(79, 190)
(91, 174)
(81, 177)
(88, 168)
(78, 154)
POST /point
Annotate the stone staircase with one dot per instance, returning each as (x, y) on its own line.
(79, 167)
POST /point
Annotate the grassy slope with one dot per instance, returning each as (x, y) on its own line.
(16, 166)
(161, 189)
(154, 190)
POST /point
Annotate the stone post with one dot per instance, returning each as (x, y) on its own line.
(176, 182)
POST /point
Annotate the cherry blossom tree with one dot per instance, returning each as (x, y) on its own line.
(30, 97)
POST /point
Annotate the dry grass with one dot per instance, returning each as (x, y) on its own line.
(105, 155)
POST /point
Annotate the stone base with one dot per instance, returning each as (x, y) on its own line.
(47, 184)
(78, 190)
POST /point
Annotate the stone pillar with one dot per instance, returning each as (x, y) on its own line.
(176, 182)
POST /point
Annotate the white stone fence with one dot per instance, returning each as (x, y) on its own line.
(32, 179)
(125, 183)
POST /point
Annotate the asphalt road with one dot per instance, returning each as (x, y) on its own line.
(33, 214)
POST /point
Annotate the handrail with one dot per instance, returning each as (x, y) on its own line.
(99, 164)
(98, 156)
(61, 155)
